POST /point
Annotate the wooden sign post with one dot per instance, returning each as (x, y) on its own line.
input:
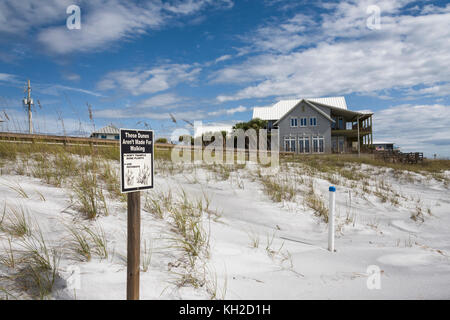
(133, 244)
(136, 173)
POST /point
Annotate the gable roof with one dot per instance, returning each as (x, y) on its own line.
(278, 110)
(312, 105)
(111, 129)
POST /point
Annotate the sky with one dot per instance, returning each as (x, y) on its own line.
(147, 64)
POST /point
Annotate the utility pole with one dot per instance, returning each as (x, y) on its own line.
(28, 101)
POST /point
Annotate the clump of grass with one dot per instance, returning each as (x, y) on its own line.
(278, 188)
(269, 250)
(254, 239)
(112, 180)
(192, 235)
(16, 221)
(89, 196)
(417, 215)
(212, 285)
(6, 294)
(41, 195)
(88, 241)
(8, 258)
(8, 151)
(54, 167)
(158, 203)
(18, 188)
(354, 175)
(146, 256)
(222, 172)
(313, 201)
(80, 243)
(185, 216)
(22, 167)
(43, 170)
(100, 243)
(394, 199)
(39, 265)
(3, 216)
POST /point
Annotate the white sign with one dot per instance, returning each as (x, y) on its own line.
(136, 160)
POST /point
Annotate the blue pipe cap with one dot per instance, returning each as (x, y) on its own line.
(332, 189)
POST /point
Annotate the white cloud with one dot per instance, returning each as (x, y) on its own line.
(282, 37)
(153, 80)
(230, 111)
(102, 22)
(168, 100)
(56, 90)
(434, 90)
(420, 128)
(152, 115)
(72, 76)
(223, 58)
(7, 77)
(347, 57)
(17, 17)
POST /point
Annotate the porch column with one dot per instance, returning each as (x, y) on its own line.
(359, 144)
(371, 132)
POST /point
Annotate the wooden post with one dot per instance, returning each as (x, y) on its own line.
(359, 144)
(134, 244)
(371, 132)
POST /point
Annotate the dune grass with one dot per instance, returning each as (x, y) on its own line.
(16, 221)
(333, 162)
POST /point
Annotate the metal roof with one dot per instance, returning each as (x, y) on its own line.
(111, 129)
(279, 109)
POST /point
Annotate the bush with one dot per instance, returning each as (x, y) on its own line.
(161, 140)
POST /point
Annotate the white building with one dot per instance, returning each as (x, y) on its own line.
(110, 132)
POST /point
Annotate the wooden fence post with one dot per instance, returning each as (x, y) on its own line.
(134, 244)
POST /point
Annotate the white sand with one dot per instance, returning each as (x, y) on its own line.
(413, 256)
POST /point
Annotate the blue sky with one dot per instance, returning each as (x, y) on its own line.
(215, 60)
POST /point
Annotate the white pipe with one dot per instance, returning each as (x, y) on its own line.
(332, 190)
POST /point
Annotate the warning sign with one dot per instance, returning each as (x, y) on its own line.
(136, 160)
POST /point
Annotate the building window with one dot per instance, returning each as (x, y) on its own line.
(103, 136)
(303, 145)
(293, 122)
(116, 137)
(289, 144)
(303, 122)
(313, 121)
(318, 144)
